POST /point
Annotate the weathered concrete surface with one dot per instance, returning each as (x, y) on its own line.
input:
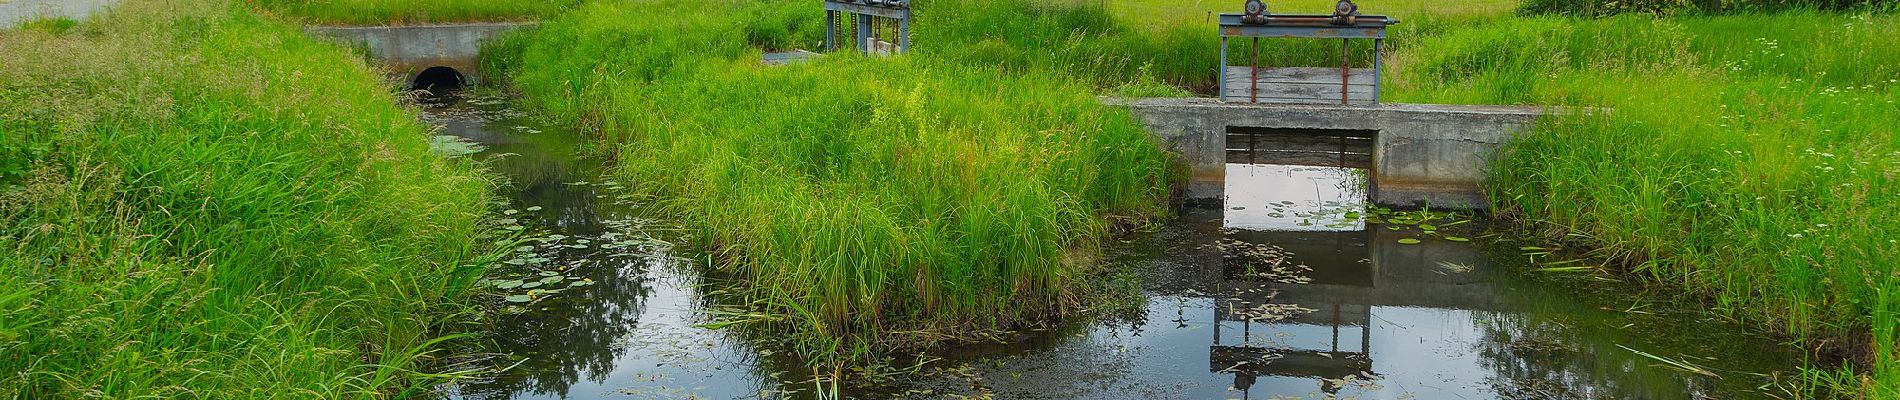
(1425, 153)
(14, 12)
(407, 50)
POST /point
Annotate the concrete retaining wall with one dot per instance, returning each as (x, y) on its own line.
(407, 50)
(1437, 154)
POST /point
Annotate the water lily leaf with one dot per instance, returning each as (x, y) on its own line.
(531, 285)
(535, 208)
(1409, 241)
(520, 298)
(511, 212)
(549, 273)
(518, 261)
(550, 280)
(1457, 239)
(579, 283)
(506, 285)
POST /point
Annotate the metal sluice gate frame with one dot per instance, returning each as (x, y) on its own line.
(1345, 25)
(866, 16)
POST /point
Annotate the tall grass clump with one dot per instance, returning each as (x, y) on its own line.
(387, 12)
(859, 204)
(1751, 159)
(196, 202)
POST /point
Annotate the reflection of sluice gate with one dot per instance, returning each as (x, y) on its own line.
(1270, 321)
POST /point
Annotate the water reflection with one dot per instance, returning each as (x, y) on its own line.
(1279, 293)
(1249, 304)
(635, 333)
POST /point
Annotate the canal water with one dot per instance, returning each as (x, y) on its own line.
(1293, 289)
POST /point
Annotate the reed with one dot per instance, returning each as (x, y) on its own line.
(858, 204)
(196, 202)
(1749, 159)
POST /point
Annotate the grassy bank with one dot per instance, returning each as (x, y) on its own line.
(410, 12)
(199, 203)
(861, 204)
(1749, 158)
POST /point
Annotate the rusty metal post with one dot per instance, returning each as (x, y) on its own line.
(1253, 95)
(1345, 71)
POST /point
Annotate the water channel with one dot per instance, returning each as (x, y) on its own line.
(1285, 292)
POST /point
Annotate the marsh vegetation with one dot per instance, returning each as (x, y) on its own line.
(197, 200)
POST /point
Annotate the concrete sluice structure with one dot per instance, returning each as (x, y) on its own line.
(1420, 154)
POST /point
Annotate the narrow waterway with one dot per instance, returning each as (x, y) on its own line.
(1294, 289)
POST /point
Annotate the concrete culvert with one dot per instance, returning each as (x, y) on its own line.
(438, 79)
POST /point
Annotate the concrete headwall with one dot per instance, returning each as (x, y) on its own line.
(1425, 153)
(407, 50)
(15, 12)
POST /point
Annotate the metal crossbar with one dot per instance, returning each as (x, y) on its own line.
(1311, 27)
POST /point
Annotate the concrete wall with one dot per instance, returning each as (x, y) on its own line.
(407, 50)
(1425, 153)
(14, 12)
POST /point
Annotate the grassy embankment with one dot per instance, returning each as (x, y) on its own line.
(861, 204)
(1750, 158)
(196, 202)
(387, 12)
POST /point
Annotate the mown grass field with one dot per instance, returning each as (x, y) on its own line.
(199, 203)
(411, 12)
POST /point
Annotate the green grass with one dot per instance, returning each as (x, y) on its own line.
(399, 12)
(196, 202)
(859, 204)
(1750, 159)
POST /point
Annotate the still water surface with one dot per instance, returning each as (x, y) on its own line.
(1273, 296)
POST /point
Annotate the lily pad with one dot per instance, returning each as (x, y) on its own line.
(535, 208)
(531, 285)
(549, 273)
(1457, 239)
(506, 285)
(1409, 241)
(520, 298)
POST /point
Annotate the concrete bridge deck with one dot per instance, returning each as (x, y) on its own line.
(1436, 154)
